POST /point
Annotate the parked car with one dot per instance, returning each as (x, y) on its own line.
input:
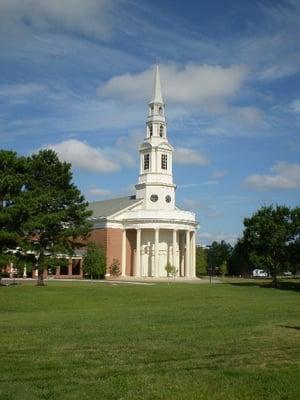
(287, 273)
(259, 273)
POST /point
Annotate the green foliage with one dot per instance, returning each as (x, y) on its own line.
(114, 268)
(94, 261)
(13, 174)
(201, 261)
(223, 270)
(42, 210)
(239, 263)
(267, 235)
(171, 270)
(217, 254)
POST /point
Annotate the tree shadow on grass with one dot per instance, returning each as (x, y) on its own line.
(292, 286)
(297, 328)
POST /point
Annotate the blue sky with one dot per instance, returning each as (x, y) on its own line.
(77, 75)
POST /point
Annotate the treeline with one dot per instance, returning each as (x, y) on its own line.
(270, 241)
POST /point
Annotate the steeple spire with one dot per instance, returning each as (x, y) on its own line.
(157, 97)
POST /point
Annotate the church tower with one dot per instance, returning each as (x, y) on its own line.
(155, 184)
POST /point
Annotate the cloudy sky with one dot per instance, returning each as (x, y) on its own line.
(76, 76)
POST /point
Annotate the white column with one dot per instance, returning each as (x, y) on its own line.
(156, 245)
(193, 249)
(11, 274)
(124, 253)
(187, 254)
(25, 272)
(138, 253)
(174, 249)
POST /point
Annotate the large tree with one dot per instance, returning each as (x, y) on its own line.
(267, 235)
(57, 217)
(12, 180)
(49, 213)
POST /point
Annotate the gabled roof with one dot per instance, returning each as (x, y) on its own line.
(106, 208)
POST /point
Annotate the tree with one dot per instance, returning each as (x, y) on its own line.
(201, 261)
(267, 234)
(56, 211)
(94, 261)
(217, 254)
(43, 210)
(239, 263)
(12, 179)
(223, 268)
(293, 250)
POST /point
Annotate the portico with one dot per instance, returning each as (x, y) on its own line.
(155, 247)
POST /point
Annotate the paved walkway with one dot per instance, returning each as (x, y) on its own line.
(121, 281)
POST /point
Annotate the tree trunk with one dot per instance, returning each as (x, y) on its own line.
(40, 279)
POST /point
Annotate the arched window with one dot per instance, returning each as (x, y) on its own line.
(160, 110)
(161, 131)
(150, 130)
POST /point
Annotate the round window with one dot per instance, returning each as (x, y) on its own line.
(154, 198)
(168, 199)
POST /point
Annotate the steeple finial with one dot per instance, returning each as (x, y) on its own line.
(157, 97)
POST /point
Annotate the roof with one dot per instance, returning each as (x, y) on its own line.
(106, 208)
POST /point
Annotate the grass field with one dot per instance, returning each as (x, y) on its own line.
(72, 340)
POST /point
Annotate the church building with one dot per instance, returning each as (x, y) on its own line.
(146, 231)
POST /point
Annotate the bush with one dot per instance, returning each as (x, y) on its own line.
(114, 268)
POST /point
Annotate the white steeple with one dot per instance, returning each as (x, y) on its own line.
(155, 183)
(157, 97)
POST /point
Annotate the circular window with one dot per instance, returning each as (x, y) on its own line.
(168, 199)
(154, 198)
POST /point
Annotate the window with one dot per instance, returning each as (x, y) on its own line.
(146, 161)
(160, 110)
(151, 130)
(161, 131)
(168, 199)
(164, 161)
(154, 197)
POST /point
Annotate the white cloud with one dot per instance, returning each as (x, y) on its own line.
(184, 155)
(285, 176)
(81, 155)
(193, 84)
(91, 18)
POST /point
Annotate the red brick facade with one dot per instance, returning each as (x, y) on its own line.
(111, 241)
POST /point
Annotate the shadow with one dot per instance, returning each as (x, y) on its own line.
(297, 328)
(292, 286)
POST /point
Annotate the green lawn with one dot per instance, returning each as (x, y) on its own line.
(72, 340)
